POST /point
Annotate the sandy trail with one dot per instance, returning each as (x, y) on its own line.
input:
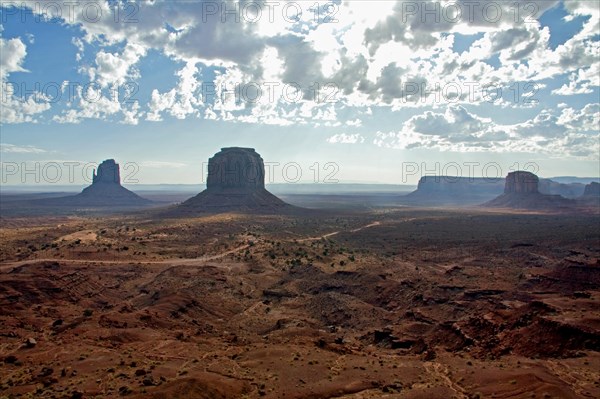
(338, 232)
(8, 266)
(173, 262)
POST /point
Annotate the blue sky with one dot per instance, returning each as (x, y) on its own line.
(369, 86)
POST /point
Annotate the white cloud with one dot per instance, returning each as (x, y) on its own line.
(581, 82)
(17, 107)
(182, 100)
(572, 133)
(91, 104)
(585, 120)
(343, 138)
(355, 123)
(115, 68)
(13, 55)
(21, 149)
(369, 54)
(20, 110)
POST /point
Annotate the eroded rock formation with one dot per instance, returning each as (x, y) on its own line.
(521, 191)
(452, 190)
(521, 182)
(591, 197)
(236, 181)
(236, 168)
(107, 172)
(105, 191)
(592, 190)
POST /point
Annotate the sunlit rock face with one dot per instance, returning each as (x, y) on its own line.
(521, 182)
(235, 182)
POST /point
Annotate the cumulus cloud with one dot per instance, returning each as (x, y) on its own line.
(182, 100)
(17, 107)
(586, 119)
(116, 68)
(378, 53)
(581, 82)
(571, 133)
(91, 103)
(13, 55)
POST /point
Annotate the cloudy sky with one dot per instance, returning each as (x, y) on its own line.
(362, 91)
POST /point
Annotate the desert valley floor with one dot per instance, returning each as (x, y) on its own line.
(392, 303)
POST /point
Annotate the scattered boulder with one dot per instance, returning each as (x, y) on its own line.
(45, 372)
(124, 390)
(10, 359)
(148, 381)
(140, 372)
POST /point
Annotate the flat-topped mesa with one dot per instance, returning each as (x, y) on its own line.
(107, 172)
(236, 182)
(236, 168)
(521, 191)
(592, 190)
(591, 196)
(521, 182)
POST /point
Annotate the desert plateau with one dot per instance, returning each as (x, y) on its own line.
(259, 298)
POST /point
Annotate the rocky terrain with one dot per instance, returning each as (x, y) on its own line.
(521, 192)
(236, 181)
(401, 303)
